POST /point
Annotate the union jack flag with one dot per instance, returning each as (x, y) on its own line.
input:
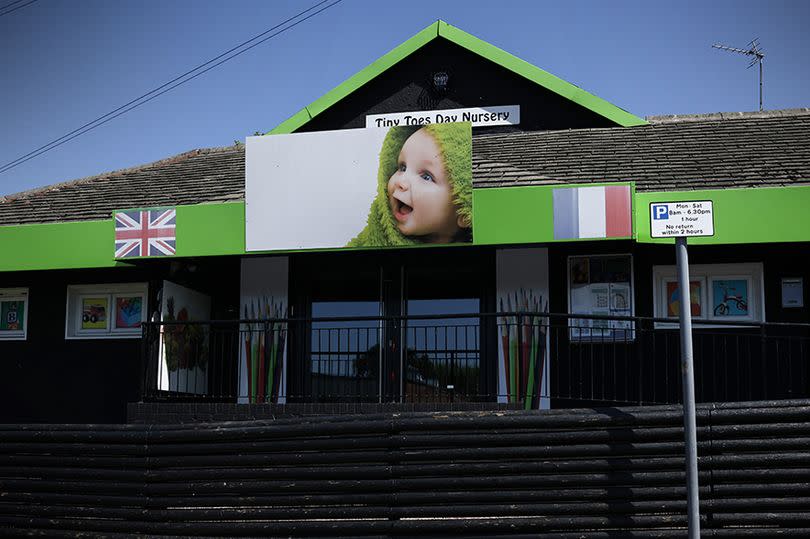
(145, 233)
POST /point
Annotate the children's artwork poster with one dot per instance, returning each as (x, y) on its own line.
(730, 297)
(599, 298)
(674, 298)
(128, 312)
(600, 286)
(12, 315)
(263, 342)
(396, 187)
(183, 361)
(620, 300)
(523, 340)
(94, 313)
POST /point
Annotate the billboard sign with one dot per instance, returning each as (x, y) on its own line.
(393, 187)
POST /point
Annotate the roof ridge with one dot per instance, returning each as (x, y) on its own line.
(137, 168)
(712, 116)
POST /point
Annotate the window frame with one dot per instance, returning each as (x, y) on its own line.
(76, 294)
(16, 294)
(752, 272)
(629, 332)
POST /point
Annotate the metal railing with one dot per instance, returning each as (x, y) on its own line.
(517, 358)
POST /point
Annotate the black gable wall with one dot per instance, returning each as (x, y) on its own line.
(473, 82)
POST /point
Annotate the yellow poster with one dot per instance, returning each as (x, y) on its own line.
(94, 313)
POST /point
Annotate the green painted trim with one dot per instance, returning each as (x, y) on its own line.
(292, 123)
(80, 244)
(211, 229)
(746, 215)
(358, 80)
(523, 215)
(206, 230)
(473, 44)
(374, 70)
(539, 76)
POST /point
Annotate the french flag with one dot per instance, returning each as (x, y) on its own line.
(592, 212)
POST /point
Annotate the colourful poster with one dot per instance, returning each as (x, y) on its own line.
(397, 187)
(674, 298)
(12, 314)
(128, 311)
(183, 362)
(94, 313)
(730, 297)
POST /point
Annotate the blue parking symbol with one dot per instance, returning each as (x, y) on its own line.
(660, 211)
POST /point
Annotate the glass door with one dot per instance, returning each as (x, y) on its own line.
(345, 335)
(442, 335)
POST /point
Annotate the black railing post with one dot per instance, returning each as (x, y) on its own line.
(640, 360)
(143, 383)
(764, 360)
(452, 384)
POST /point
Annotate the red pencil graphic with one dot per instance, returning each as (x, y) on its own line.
(247, 355)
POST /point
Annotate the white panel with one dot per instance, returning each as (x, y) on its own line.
(309, 190)
(592, 219)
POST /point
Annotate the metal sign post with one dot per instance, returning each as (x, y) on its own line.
(687, 372)
(681, 220)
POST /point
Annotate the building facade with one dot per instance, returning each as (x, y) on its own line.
(236, 276)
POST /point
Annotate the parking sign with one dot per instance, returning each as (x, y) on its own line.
(674, 219)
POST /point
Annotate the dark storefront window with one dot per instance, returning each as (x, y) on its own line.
(396, 331)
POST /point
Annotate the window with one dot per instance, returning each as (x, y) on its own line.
(13, 314)
(600, 285)
(727, 292)
(105, 311)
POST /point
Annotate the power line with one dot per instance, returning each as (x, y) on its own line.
(170, 85)
(12, 10)
(10, 4)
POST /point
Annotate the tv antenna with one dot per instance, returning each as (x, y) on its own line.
(756, 55)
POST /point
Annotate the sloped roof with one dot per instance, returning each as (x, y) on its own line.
(759, 149)
(194, 177)
(671, 153)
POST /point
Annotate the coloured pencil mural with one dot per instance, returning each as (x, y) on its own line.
(263, 340)
(523, 346)
(523, 367)
(263, 346)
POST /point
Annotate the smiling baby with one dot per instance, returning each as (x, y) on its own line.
(424, 191)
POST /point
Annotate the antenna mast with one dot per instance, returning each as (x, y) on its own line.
(756, 58)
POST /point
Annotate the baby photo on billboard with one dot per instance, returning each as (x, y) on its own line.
(362, 188)
(424, 188)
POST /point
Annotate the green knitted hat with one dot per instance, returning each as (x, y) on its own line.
(455, 143)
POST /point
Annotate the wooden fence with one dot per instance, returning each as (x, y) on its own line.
(616, 472)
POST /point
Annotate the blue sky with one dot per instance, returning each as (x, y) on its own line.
(65, 63)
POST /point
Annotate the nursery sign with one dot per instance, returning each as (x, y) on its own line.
(396, 187)
(681, 219)
(477, 116)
